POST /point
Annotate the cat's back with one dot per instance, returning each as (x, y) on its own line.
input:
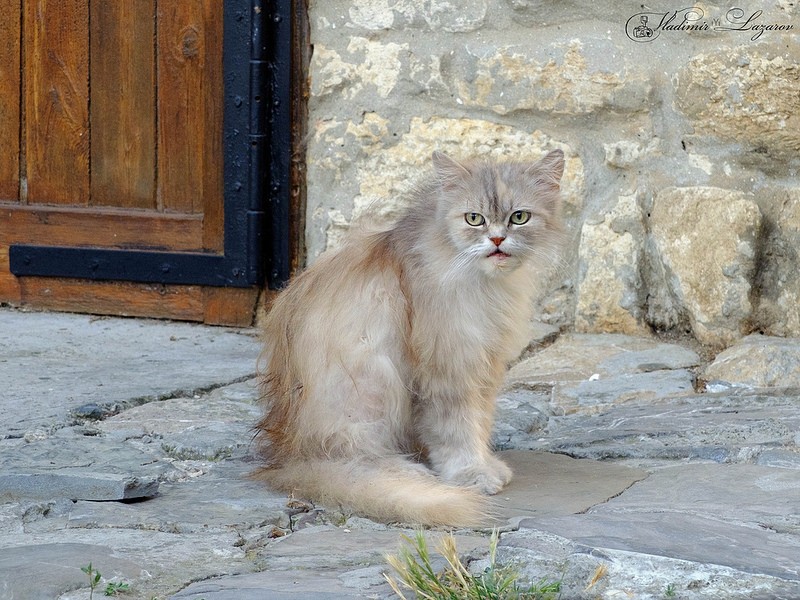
(346, 294)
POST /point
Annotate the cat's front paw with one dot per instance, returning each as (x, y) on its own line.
(488, 479)
(500, 469)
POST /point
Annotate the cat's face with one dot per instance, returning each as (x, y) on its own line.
(500, 216)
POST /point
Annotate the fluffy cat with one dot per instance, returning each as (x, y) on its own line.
(383, 359)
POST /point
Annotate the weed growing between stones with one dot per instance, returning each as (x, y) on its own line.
(112, 587)
(94, 578)
(497, 582)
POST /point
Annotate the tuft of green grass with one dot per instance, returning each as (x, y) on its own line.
(416, 574)
(670, 592)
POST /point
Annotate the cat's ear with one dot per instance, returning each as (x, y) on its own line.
(548, 171)
(447, 169)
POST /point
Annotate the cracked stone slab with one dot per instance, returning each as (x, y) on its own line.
(698, 539)
(79, 467)
(212, 427)
(734, 516)
(546, 484)
(344, 548)
(588, 372)
(166, 561)
(333, 563)
(207, 526)
(50, 570)
(741, 493)
(588, 572)
(275, 585)
(598, 393)
(576, 357)
(77, 485)
(321, 561)
(222, 500)
(704, 427)
(71, 361)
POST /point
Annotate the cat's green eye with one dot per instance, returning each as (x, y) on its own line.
(520, 217)
(474, 219)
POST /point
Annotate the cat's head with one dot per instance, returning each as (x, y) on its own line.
(500, 216)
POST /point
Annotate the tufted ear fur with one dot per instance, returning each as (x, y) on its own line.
(448, 171)
(548, 171)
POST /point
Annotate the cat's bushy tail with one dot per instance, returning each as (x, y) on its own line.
(386, 489)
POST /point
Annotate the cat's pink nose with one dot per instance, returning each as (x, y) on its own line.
(497, 240)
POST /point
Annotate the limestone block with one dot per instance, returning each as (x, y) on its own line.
(758, 361)
(374, 15)
(456, 16)
(779, 278)
(609, 290)
(574, 77)
(368, 64)
(622, 154)
(705, 239)
(627, 153)
(588, 373)
(578, 357)
(451, 16)
(745, 95)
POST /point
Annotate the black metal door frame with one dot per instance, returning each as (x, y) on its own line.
(257, 51)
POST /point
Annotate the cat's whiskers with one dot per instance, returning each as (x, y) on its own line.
(461, 261)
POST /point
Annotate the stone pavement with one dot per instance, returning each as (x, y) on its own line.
(642, 471)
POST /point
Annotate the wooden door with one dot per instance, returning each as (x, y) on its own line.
(130, 157)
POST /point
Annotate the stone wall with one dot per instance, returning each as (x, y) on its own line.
(683, 150)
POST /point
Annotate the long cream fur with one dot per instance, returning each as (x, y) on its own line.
(382, 360)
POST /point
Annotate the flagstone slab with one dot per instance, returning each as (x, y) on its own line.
(546, 484)
(49, 570)
(55, 363)
(702, 539)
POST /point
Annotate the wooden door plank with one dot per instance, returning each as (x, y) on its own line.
(213, 118)
(9, 285)
(190, 108)
(123, 117)
(233, 307)
(110, 228)
(56, 74)
(183, 303)
(214, 306)
(10, 12)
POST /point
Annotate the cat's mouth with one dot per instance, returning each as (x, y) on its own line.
(498, 254)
